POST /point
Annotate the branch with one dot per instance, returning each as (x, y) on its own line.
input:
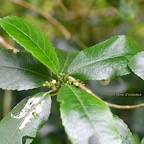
(125, 106)
(81, 86)
(7, 46)
(67, 34)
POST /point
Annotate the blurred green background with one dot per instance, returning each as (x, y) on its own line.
(75, 25)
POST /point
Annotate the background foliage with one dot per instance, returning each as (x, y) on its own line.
(74, 25)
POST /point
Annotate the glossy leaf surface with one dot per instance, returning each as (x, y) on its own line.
(87, 120)
(105, 60)
(21, 71)
(22, 123)
(124, 131)
(32, 39)
(136, 64)
(65, 58)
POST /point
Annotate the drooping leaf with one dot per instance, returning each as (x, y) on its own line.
(65, 58)
(21, 71)
(32, 39)
(136, 64)
(22, 123)
(87, 120)
(124, 131)
(105, 60)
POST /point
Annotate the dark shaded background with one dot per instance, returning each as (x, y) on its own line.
(75, 25)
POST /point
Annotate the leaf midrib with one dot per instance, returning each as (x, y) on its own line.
(98, 61)
(84, 111)
(83, 107)
(23, 69)
(33, 42)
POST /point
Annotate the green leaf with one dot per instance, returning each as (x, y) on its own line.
(65, 58)
(124, 131)
(22, 123)
(136, 64)
(87, 120)
(105, 60)
(21, 71)
(32, 39)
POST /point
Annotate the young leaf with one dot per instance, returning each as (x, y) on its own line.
(87, 120)
(65, 58)
(21, 71)
(22, 123)
(124, 131)
(32, 39)
(136, 64)
(105, 60)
